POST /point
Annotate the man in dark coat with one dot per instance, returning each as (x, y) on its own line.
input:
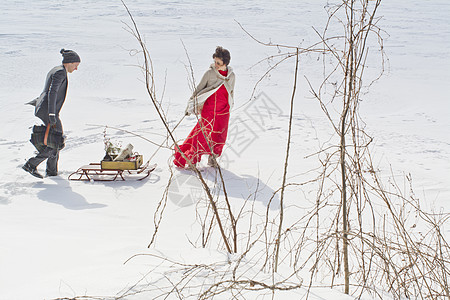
(47, 108)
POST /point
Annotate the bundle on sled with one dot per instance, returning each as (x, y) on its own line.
(120, 165)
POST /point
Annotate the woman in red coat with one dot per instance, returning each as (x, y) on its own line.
(212, 99)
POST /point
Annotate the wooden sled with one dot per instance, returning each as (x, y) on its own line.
(97, 172)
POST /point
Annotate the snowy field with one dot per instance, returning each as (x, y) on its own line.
(61, 238)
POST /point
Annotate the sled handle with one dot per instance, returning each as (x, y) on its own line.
(46, 134)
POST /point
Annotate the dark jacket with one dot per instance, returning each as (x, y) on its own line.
(53, 96)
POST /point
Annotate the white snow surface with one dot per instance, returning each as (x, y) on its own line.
(61, 238)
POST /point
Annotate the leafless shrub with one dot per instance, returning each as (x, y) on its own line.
(358, 228)
(358, 233)
(151, 91)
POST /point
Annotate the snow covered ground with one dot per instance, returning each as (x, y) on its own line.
(60, 238)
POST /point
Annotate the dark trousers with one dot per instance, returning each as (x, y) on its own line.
(49, 154)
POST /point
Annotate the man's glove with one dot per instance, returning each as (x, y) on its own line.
(52, 119)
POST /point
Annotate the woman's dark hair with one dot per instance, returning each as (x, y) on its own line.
(222, 54)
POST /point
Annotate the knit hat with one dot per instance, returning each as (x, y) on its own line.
(69, 56)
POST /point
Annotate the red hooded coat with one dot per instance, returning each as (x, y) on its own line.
(210, 133)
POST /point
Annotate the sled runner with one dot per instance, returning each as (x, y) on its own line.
(112, 170)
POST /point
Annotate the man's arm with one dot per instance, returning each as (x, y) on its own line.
(55, 85)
